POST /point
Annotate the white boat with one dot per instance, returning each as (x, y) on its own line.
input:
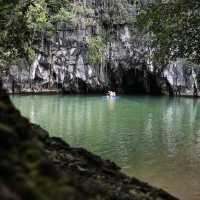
(111, 94)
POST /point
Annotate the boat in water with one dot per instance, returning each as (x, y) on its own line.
(111, 94)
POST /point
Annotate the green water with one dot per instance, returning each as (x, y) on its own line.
(156, 139)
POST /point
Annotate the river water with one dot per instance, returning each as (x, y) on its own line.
(156, 139)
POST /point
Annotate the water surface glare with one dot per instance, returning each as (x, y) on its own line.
(156, 139)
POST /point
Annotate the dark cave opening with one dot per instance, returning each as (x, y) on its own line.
(132, 83)
(135, 81)
(154, 84)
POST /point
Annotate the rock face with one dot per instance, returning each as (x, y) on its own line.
(183, 78)
(125, 65)
(35, 166)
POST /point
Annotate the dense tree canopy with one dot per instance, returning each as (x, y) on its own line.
(174, 27)
(13, 27)
(23, 22)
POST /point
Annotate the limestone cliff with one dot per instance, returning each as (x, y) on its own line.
(124, 61)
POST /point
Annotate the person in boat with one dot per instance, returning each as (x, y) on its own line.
(111, 94)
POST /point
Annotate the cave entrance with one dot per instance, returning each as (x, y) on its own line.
(132, 82)
(137, 81)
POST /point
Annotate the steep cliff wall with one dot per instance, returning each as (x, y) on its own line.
(182, 78)
(72, 63)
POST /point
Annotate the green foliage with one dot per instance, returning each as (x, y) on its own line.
(96, 48)
(23, 22)
(174, 29)
(31, 53)
(117, 12)
(55, 6)
(37, 16)
(62, 16)
(65, 11)
(81, 11)
(59, 11)
(14, 33)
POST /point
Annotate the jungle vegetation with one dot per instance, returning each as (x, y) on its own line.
(172, 26)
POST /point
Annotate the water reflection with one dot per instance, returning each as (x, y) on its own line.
(111, 103)
(156, 139)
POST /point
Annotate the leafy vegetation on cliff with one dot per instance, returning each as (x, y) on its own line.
(23, 23)
(172, 26)
(96, 49)
(116, 13)
(174, 29)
